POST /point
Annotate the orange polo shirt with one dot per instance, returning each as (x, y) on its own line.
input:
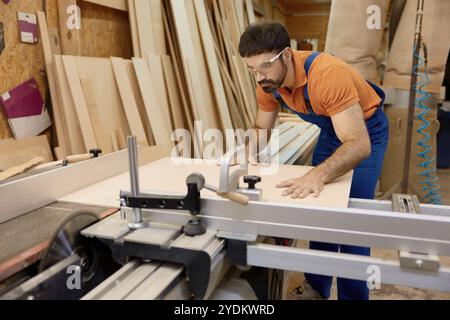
(333, 86)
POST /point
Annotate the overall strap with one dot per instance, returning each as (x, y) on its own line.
(308, 64)
(309, 61)
(280, 100)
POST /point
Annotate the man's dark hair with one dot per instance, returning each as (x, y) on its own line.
(264, 38)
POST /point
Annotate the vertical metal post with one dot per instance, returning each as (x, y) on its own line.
(138, 222)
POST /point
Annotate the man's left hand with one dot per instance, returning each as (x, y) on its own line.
(301, 187)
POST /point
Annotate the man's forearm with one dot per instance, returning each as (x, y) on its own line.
(346, 158)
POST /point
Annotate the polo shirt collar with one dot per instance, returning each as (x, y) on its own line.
(300, 73)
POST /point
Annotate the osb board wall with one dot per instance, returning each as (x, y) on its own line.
(19, 61)
(104, 32)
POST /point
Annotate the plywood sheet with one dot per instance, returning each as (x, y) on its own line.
(105, 104)
(14, 152)
(154, 113)
(129, 100)
(78, 98)
(177, 112)
(48, 57)
(158, 26)
(157, 74)
(134, 29)
(164, 176)
(139, 101)
(144, 26)
(75, 139)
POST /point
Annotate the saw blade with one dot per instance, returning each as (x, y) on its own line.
(67, 239)
(96, 259)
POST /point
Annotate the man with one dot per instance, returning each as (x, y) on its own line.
(323, 90)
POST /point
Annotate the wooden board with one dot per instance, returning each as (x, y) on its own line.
(70, 39)
(299, 144)
(144, 26)
(134, 29)
(230, 10)
(177, 66)
(165, 176)
(239, 9)
(48, 56)
(241, 94)
(158, 26)
(213, 64)
(139, 101)
(284, 138)
(157, 74)
(128, 100)
(14, 152)
(11, 172)
(250, 11)
(194, 63)
(78, 98)
(75, 141)
(103, 99)
(47, 187)
(115, 4)
(155, 114)
(55, 185)
(177, 112)
(93, 101)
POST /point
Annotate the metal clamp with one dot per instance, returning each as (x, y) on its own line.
(409, 204)
(191, 202)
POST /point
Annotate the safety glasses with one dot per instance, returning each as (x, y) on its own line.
(265, 67)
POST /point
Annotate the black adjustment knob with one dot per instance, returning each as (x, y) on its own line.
(95, 152)
(252, 181)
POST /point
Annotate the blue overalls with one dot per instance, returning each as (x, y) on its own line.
(364, 181)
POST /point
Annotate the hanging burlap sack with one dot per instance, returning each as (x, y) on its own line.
(436, 35)
(350, 38)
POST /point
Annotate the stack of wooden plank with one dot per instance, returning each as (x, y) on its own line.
(186, 68)
(203, 39)
(296, 142)
(99, 101)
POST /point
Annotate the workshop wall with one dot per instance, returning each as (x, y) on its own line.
(309, 27)
(104, 32)
(19, 61)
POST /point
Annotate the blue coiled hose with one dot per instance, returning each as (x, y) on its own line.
(428, 178)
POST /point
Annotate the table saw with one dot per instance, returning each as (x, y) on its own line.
(196, 229)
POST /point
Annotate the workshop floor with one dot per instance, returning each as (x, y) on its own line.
(391, 292)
